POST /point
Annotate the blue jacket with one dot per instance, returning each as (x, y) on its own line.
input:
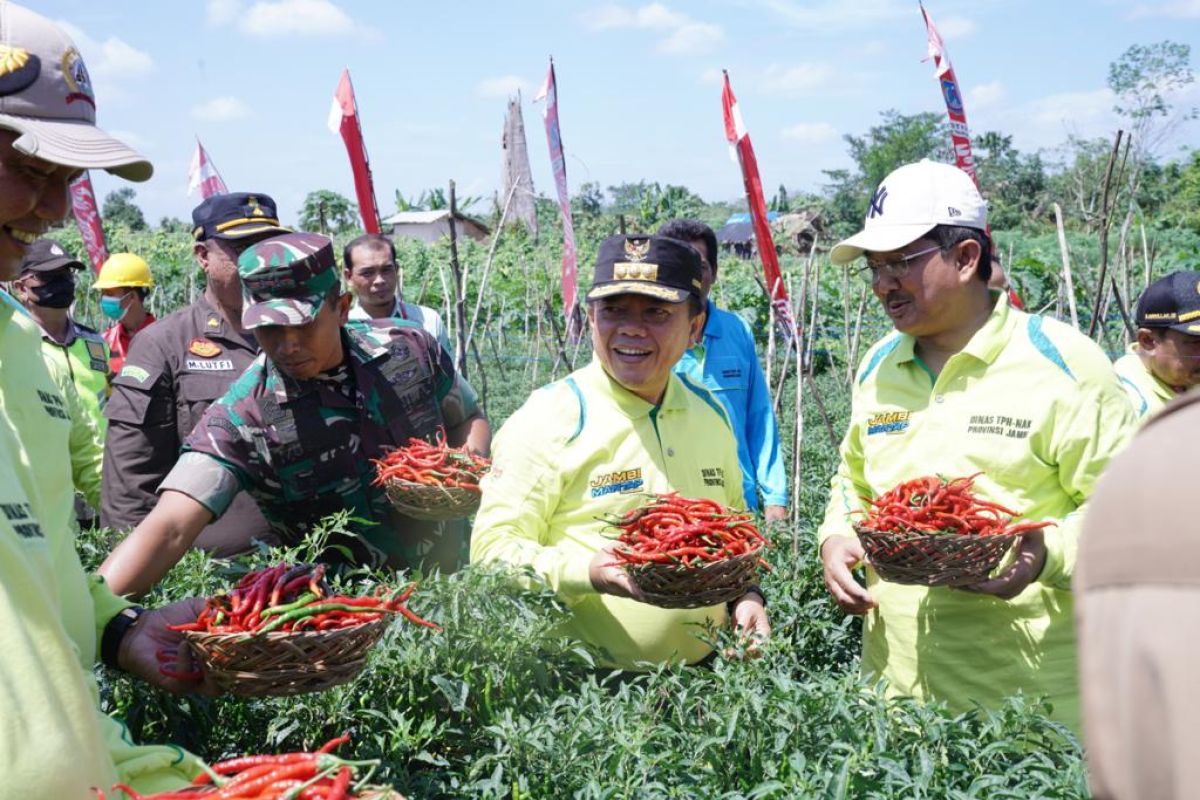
(727, 364)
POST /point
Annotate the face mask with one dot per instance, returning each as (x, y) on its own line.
(111, 308)
(59, 292)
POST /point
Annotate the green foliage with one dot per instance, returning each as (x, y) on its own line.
(1145, 76)
(119, 209)
(328, 212)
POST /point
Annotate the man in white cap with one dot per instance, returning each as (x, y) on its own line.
(967, 384)
(55, 619)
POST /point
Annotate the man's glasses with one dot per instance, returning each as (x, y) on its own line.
(893, 268)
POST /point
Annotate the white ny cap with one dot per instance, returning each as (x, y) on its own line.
(46, 97)
(909, 203)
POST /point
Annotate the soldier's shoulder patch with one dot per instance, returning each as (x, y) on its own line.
(134, 372)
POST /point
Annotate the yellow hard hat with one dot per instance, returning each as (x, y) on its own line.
(124, 269)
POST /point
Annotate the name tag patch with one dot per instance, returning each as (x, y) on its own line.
(999, 425)
(217, 365)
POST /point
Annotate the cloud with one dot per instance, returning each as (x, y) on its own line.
(810, 133)
(681, 35)
(113, 59)
(221, 109)
(1179, 9)
(797, 80)
(132, 139)
(271, 18)
(502, 86)
(1047, 121)
(985, 95)
(827, 15)
(711, 77)
(952, 28)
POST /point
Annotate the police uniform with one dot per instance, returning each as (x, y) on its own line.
(174, 370)
(1034, 407)
(302, 448)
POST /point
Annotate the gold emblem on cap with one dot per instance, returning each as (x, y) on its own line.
(637, 250)
(12, 58)
(627, 271)
(255, 208)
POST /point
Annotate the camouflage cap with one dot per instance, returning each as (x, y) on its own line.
(286, 278)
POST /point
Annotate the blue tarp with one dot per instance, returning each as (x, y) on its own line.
(744, 217)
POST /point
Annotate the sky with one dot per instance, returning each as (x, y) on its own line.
(639, 84)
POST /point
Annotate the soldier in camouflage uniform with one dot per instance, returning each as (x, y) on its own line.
(297, 429)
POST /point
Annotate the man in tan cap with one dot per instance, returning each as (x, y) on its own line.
(54, 618)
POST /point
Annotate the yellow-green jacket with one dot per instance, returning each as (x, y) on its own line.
(1147, 393)
(53, 739)
(84, 357)
(1033, 405)
(583, 448)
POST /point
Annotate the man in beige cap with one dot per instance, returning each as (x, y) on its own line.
(54, 618)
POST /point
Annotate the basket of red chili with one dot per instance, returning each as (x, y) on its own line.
(282, 631)
(432, 481)
(688, 553)
(933, 531)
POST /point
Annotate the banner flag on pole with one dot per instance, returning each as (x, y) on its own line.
(739, 142)
(203, 175)
(87, 217)
(960, 134)
(343, 119)
(549, 93)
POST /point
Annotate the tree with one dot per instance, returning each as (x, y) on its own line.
(899, 139)
(1013, 183)
(328, 213)
(780, 201)
(119, 209)
(1144, 79)
(588, 201)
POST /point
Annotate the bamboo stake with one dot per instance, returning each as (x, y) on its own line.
(487, 266)
(460, 294)
(1069, 285)
(1105, 213)
(1145, 255)
(854, 342)
(810, 335)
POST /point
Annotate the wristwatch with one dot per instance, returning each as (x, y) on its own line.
(114, 632)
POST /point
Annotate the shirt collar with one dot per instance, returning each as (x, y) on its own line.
(626, 401)
(359, 349)
(985, 345)
(711, 329)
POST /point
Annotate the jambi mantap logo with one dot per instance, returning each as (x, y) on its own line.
(76, 76)
(624, 481)
(889, 422)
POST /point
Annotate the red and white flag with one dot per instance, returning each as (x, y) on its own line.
(203, 175)
(87, 217)
(343, 119)
(549, 93)
(960, 134)
(739, 142)
(952, 94)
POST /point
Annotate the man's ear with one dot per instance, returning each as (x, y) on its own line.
(200, 253)
(1147, 342)
(967, 253)
(343, 307)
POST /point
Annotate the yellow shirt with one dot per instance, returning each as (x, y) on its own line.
(51, 611)
(585, 447)
(1036, 407)
(1147, 393)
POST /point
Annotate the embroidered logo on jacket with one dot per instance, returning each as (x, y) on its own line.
(627, 480)
(890, 422)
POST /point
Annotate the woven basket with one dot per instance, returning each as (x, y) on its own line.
(434, 503)
(282, 663)
(934, 559)
(709, 584)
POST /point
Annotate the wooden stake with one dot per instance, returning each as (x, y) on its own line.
(1105, 217)
(852, 367)
(460, 294)
(1066, 257)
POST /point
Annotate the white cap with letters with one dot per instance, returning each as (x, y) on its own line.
(909, 203)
